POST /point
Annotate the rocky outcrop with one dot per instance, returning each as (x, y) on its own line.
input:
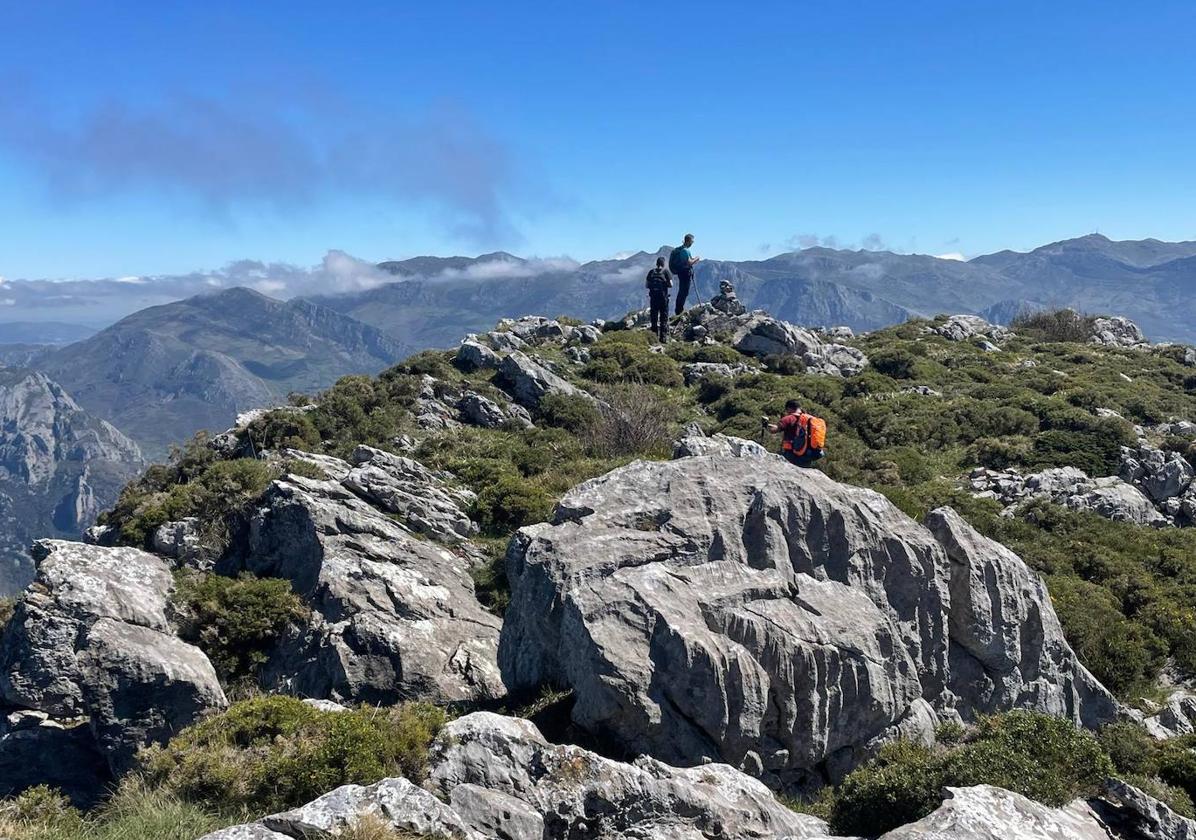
(1135, 814)
(394, 616)
(1117, 332)
(425, 501)
(90, 639)
(497, 777)
(528, 381)
(1109, 496)
(1007, 646)
(991, 813)
(760, 334)
(1166, 477)
(739, 610)
(696, 372)
(970, 328)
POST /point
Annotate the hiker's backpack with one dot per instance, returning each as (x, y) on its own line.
(678, 264)
(816, 429)
(658, 281)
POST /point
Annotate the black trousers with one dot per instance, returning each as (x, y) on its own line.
(805, 460)
(658, 304)
(683, 281)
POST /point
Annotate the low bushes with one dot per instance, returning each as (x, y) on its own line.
(1039, 756)
(1164, 769)
(272, 753)
(235, 621)
(134, 812)
(1054, 325)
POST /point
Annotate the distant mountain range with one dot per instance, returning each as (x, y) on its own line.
(164, 372)
(70, 433)
(1153, 282)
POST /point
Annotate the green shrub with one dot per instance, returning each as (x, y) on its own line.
(894, 363)
(272, 753)
(621, 358)
(134, 811)
(235, 621)
(1043, 757)
(1054, 325)
(902, 784)
(567, 411)
(510, 502)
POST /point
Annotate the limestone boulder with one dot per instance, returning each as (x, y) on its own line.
(737, 609)
(90, 639)
(394, 616)
(984, 812)
(528, 381)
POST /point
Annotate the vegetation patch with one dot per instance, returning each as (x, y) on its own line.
(271, 753)
(1039, 756)
(235, 621)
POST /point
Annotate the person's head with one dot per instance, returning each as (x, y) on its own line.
(689, 239)
(792, 407)
(660, 262)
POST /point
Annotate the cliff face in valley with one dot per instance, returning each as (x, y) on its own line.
(59, 467)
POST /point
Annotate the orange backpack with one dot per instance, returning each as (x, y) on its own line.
(816, 429)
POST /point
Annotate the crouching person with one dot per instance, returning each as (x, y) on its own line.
(803, 436)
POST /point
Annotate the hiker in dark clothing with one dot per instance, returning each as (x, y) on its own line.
(681, 263)
(658, 283)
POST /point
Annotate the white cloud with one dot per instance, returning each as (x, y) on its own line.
(133, 280)
(505, 268)
(7, 302)
(955, 255)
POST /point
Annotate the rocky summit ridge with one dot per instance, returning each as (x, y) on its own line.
(712, 630)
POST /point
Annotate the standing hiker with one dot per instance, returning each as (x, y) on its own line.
(658, 283)
(681, 263)
(803, 436)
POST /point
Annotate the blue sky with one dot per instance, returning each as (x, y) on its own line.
(141, 138)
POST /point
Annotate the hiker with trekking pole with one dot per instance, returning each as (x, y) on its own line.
(681, 264)
(803, 436)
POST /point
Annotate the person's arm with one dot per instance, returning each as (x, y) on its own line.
(668, 278)
(694, 260)
(772, 427)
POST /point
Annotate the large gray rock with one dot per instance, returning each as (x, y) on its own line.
(1117, 331)
(1007, 647)
(1140, 816)
(718, 444)
(739, 610)
(1170, 480)
(395, 804)
(501, 771)
(426, 501)
(394, 615)
(477, 410)
(473, 355)
(990, 813)
(970, 327)
(90, 639)
(529, 381)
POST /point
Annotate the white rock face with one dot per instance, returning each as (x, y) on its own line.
(1133, 813)
(90, 638)
(1117, 332)
(394, 614)
(739, 610)
(989, 813)
(529, 381)
(1007, 646)
(969, 328)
